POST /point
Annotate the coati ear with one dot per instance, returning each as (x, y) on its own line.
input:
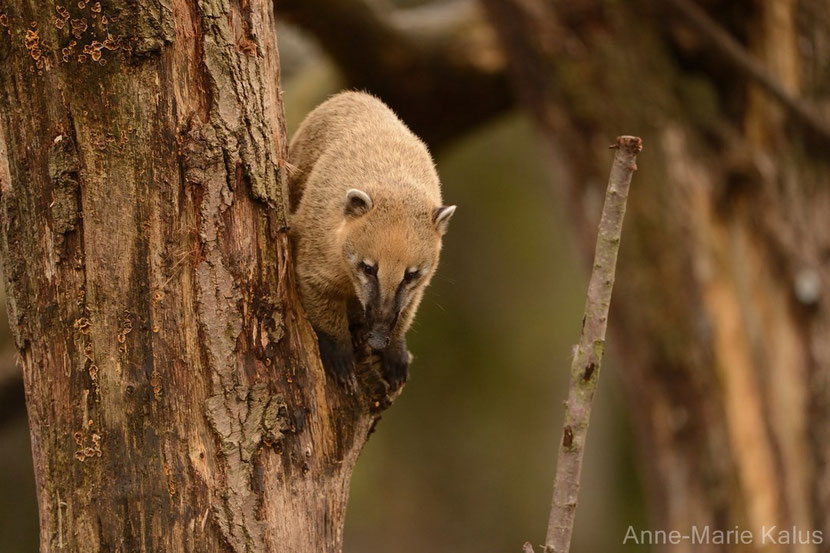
(358, 203)
(441, 217)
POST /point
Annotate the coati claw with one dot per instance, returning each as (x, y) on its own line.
(337, 359)
(394, 362)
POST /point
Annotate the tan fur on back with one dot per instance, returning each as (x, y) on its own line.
(353, 141)
(361, 140)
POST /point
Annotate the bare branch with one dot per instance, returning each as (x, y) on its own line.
(738, 57)
(588, 354)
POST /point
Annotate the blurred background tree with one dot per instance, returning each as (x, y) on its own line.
(714, 407)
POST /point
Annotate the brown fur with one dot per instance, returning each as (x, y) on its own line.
(354, 141)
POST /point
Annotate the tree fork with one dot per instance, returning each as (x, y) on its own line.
(175, 397)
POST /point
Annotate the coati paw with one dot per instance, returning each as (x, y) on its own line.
(394, 362)
(338, 360)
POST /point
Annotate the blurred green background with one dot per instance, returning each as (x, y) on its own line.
(464, 460)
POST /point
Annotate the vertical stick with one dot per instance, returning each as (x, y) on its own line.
(588, 355)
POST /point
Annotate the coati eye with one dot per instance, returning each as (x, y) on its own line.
(409, 276)
(370, 270)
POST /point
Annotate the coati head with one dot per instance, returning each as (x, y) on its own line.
(390, 250)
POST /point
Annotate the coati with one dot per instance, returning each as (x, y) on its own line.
(366, 225)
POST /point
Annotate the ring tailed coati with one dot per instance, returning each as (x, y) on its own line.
(366, 226)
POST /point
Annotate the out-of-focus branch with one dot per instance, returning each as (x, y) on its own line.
(799, 109)
(440, 68)
(587, 358)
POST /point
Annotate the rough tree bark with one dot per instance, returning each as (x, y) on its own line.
(175, 398)
(721, 310)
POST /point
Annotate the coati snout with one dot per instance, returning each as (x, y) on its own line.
(380, 322)
(366, 224)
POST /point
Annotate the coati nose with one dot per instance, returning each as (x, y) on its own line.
(378, 339)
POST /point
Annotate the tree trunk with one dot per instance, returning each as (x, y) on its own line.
(721, 312)
(175, 397)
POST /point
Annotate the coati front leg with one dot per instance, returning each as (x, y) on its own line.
(333, 337)
(395, 361)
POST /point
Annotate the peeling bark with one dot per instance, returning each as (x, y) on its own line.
(175, 397)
